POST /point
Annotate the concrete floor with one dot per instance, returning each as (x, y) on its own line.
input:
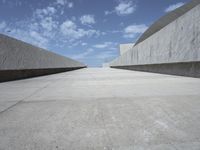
(100, 109)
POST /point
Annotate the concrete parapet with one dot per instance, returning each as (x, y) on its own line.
(190, 69)
(178, 42)
(125, 47)
(21, 60)
(167, 19)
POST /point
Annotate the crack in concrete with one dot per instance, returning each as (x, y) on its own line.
(20, 101)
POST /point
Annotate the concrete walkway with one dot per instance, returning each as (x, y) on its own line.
(100, 109)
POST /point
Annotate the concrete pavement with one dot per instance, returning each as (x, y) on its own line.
(100, 108)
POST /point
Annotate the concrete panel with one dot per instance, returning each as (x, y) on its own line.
(178, 42)
(191, 69)
(105, 65)
(125, 47)
(19, 60)
(167, 19)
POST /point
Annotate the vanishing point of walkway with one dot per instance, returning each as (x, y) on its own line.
(100, 109)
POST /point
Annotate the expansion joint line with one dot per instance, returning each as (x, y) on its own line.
(20, 101)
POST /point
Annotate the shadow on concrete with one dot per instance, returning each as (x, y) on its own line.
(10, 75)
(189, 69)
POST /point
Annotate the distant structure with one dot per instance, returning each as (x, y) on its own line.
(170, 46)
(105, 65)
(20, 60)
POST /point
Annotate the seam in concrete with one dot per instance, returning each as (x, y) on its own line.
(108, 98)
(104, 124)
(20, 101)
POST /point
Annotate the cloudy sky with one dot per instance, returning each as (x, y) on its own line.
(87, 30)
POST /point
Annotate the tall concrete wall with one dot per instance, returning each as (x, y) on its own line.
(20, 60)
(178, 42)
(165, 20)
(125, 47)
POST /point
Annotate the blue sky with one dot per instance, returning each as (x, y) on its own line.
(87, 30)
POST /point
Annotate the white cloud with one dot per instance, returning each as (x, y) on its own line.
(48, 11)
(83, 44)
(38, 38)
(65, 2)
(103, 45)
(100, 46)
(49, 24)
(83, 55)
(2, 25)
(106, 55)
(51, 10)
(70, 4)
(70, 30)
(33, 26)
(69, 25)
(12, 3)
(43, 27)
(132, 30)
(87, 19)
(29, 36)
(108, 12)
(135, 28)
(44, 21)
(38, 29)
(174, 6)
(107, 46)
(61, 2)
(125, 8)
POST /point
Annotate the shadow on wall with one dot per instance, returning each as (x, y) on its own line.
(189, 69)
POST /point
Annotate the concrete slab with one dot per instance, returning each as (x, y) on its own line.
(98, 108)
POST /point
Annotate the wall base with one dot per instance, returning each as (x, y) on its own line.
(9, 75)
(189, 69)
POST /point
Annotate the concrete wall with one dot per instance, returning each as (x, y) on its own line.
(191, 69)
(19, 59)
(177, 42)
(165, 20)
(105, 65)
(125, 47)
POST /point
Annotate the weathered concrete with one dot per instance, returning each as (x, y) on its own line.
(178, 42)
(188, 69)
(167, 19)
(10, 75)
(125, 47)
(25, 60)
(101, 109)
(105, 65)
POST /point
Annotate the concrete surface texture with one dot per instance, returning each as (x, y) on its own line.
(179, 41)
(165, 20)
(106, 109)
(105, 65)
(125, 47)
(18, 55)
(188, 69)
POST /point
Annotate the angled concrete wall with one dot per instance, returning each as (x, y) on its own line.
(178, 42)
(20, 60)
(125, 47)
(167, 19)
